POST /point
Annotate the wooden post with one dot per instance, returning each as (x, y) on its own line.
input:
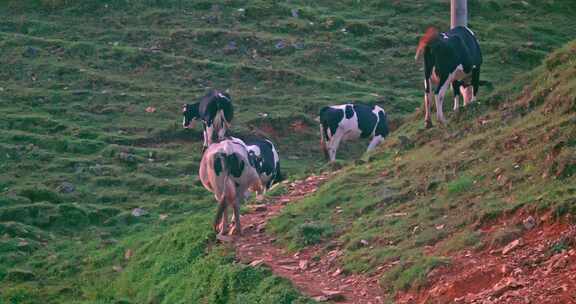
(458, 13)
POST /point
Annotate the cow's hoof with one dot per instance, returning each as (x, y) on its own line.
(235, 232)
(224, 238)
(428, 124)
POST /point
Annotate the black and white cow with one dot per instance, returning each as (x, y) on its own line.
(225, 171)
(264, 157)
(452, 59)
(215, 110)
(351, 121)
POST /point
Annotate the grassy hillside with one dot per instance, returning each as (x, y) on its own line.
(79, 153)
(429, 193)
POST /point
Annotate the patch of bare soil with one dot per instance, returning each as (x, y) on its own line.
(315, 272)
(539, 267)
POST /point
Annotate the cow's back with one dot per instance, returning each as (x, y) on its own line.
(469, 42)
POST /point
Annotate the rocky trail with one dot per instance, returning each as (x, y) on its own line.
(313, 270)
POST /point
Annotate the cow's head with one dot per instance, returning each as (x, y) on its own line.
(190, 112)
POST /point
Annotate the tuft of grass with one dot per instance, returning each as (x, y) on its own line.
(411, 274)
(311, 233)
(460, 185)
(462, 240)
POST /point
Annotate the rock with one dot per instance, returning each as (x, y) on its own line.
(128, 254)
(504, 286)
(30, 52)
(320, 299)
(127, 157)
(291, 268)
(230, 47)
(298, 45)
(261, 228)
(259, 208)
(150, 110)
(137, 212)
(333, 295)
(19, 275)
(529, 223)
(295, 13)
(286, 262)
(117, 268)
(66, 187)
(303, 264)
(163, 217)
(513, 245)
(256, 263)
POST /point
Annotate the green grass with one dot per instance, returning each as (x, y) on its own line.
(77, 77)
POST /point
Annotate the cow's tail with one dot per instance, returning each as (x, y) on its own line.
(430, 35)
(220, 181)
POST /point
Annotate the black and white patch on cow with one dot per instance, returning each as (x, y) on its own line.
(451, 59)
(216, 112)
(351, 121)
(263, 156)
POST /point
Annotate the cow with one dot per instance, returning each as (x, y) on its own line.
(264, 158)
(351, 121)
(216, 112)
(225, 171)
(451, 58)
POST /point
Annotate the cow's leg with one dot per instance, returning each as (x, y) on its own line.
(475, 82)
(237, 229)
(224, 221)
(219, 214)
(467, 94)
(323, 140)
(456, 85)
(376, 140)
(440, 93)
(334, 143)
(205, 135)
(427, 101)
(208, 140)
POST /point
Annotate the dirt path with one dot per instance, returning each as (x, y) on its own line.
(321, 279)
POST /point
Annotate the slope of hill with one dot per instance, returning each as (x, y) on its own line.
(476, 189)
(99, 201)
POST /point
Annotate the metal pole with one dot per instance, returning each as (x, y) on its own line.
(458, 13)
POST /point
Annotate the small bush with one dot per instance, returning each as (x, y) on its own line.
(311, 233)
